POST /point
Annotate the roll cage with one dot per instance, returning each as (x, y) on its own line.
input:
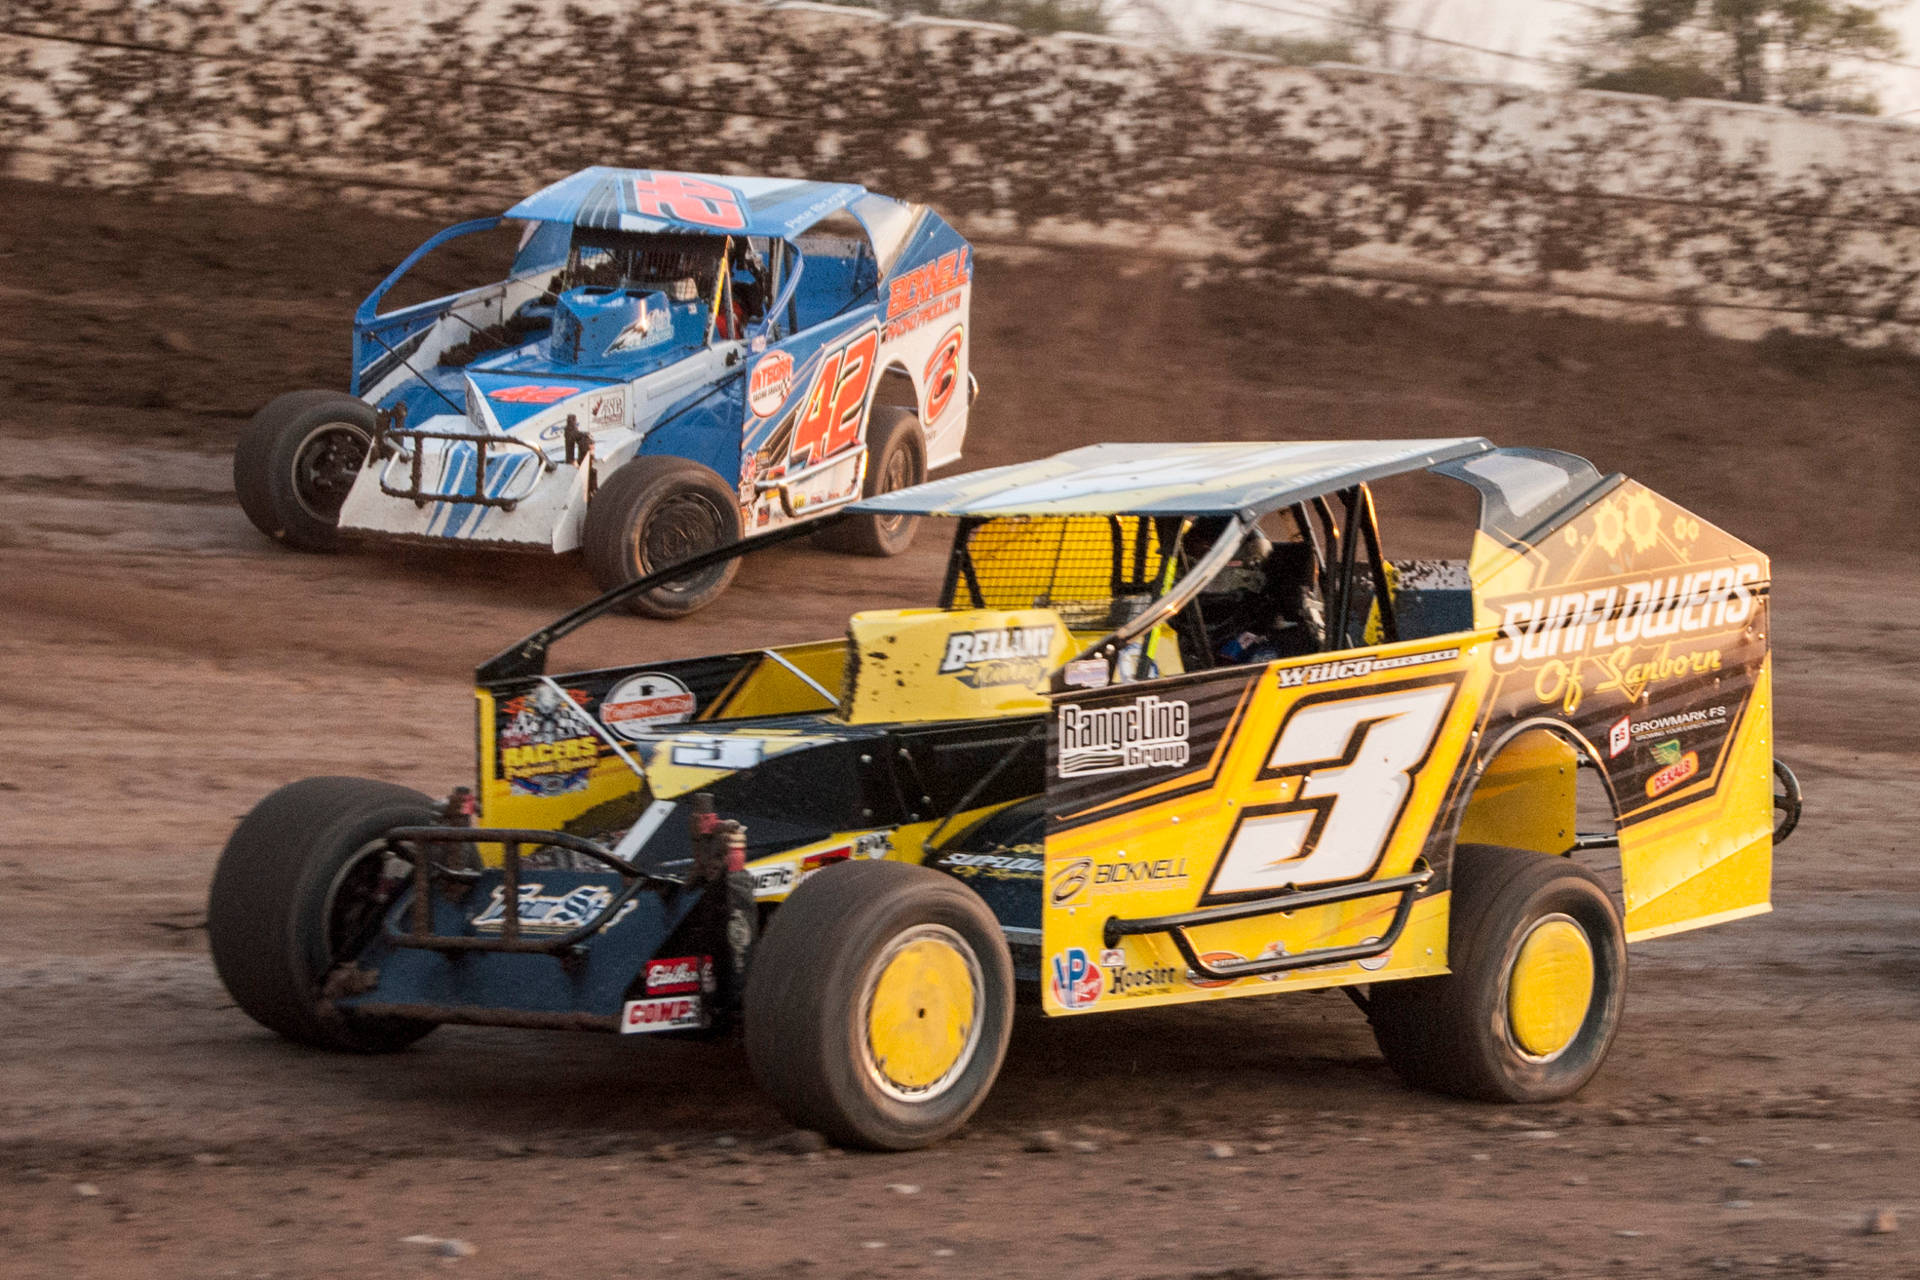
(1147, 590)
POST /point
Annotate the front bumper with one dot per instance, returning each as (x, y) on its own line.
(520, 946)
(444, 481)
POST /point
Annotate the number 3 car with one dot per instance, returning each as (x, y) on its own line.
(1177, 727)
(676, 361)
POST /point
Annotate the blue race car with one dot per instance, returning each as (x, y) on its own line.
(675, 361)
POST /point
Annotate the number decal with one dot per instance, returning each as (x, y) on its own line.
(674, 195)
(1355, 759)
(836, 405)
(943, 373)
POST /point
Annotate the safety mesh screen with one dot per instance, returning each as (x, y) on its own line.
(684, 267)
(1095, 571)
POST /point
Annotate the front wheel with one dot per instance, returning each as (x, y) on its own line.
(654, 512)
(295, 462)
(879, 1005)
(896, 459)
(1539, 977)
(304, 884)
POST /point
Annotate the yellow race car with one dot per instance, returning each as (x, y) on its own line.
(1178, 728)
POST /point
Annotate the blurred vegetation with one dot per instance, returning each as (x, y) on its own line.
(1042, 17)
(1803, 54)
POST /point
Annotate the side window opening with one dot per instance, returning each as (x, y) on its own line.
(461, 265)
(1096, 572)
(1269, 602)
(1427, 523)
(840, 272)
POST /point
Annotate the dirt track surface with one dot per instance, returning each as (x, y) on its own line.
(166, 667)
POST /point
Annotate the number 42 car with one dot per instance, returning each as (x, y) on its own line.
(1176, 728)
(676, 361)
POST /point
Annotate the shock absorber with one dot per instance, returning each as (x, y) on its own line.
(720, 866)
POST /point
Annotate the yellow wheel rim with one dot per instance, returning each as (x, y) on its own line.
(1551, 987)
(922, 1012)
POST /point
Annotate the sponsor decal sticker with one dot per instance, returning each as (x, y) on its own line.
(1086, 877)
(679, 976)
(1148, 733)
(1645, 610)
(544, 749)
(646, 701)
(531, 393)
(995, 866)
(542, 913)
(1125, 981)
(648, 325)
(777, 879)
(608, 409)
(1352, 668)
(663, 1013)
(1070, 880)
(774, 879)
(1673, 775)
(1077, 980)
(1215, 958)
(769, 384)
(999, 656)
(1688, 721)
(1619, 736)
(1087, 673)
(702, 751)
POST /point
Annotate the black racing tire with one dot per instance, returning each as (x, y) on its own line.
(652, 512)
(300, 887)
(842, 950)
(1465, 1033)
(295, 462)
(896, 459)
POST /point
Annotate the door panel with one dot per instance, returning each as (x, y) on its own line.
(1238, 785)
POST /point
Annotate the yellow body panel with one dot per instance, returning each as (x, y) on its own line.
(1526, 798)
(1166, 849)
(936, 664)
(769, 689)
(1711, 859)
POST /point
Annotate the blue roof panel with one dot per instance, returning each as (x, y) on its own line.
(661, 200)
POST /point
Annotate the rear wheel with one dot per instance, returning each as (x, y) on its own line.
(896, 459)
(303, 885)
(295, 462)
(1539, 978)
(651, 513)
(879, 1005)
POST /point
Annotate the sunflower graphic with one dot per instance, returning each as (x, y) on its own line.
(1609, 528)
(1643, 520)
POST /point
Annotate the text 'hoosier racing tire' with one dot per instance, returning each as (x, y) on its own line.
(303, 884)
(1538, 981)
(896, 459)
(296, 460)
(653, 512)
(879, 1005)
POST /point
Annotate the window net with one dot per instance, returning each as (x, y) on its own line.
(1095, 571)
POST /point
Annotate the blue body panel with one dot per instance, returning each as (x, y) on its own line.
(598, 984)
(658, 200)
